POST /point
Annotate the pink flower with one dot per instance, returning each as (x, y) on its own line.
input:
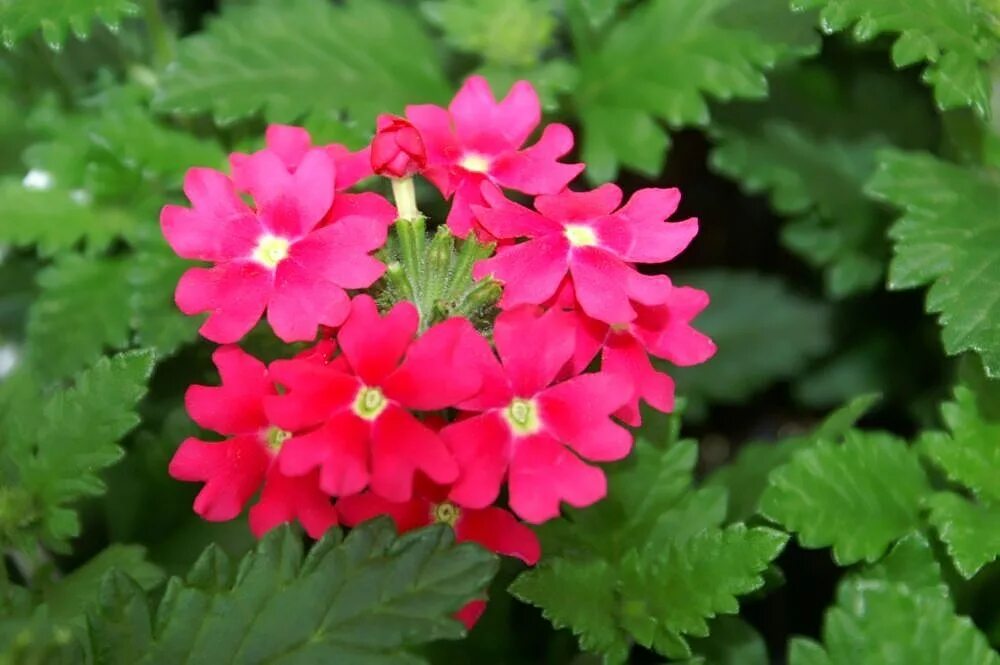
(273, 257)
(663, 331)
(531, 432)
(477, 139)
(397, 151)
(234, 469)
(493, 528)
(358, 403)
(585, 236)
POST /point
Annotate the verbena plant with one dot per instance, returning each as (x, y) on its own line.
(380, 332)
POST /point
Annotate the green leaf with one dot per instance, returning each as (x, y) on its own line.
(748, 359)
(362, 600)
(817, 182)
(745, 477)
(55, 18)
(290, 57)
(60, 457)
(86, 296)
(952, 35)
(857, 497)
(970, 531)
(971, 454)
(731, 641)
(56, 220)
(949, 238)
(661, 62)
(911, 562)
(511, 33)
(152, 275)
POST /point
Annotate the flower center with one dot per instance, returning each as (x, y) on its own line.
(446, 513)
(275, 437)
(522, 416)
(475, 163)
(580, 235)
(369, 403)
(271, 250)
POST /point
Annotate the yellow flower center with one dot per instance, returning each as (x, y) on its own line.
(369, 403)
(475, 163)
(446, 513)
(271, 250)
(275, 437)
(522, 416)
(580, 235)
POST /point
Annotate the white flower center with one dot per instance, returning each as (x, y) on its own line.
(580, 235)
(475, 163)
(369, 403)
(270, 251)
(522, 416)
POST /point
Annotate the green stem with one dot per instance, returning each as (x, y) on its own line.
(405, 194)
(163, 39)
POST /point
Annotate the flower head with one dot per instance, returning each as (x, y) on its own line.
(357, 407)
(478, 139)
(585, 236)
(234, 469)
(397, 150)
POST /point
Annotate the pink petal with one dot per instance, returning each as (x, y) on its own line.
(235, 293)
(366, 204)
(302, 301)
(232, 471)
(374, 345)
(569, 206)
(530, 367)
(470, 613)
(500, 532)
(543, 473)
(237, 406)
(263, 174)
(577, 413)
(407, 515)
(530, 271)
(338, 253)
(600, 280)
(626, 357)
(351, 167)
(312, 392)
(213, 194)
(473, 110)
(195, 235)
(289, 143)
(285, 499)
(535, 170)
(434, 125)
(656, 242)
(518, 114)
(495, 390)
(506, 219)
(339, 449)
(650, 205)
(647, 289)
(481, 446)
(461, 218)
(436, 373)
(590, 336)
(401, 446)
(679, 342)
(304, 201)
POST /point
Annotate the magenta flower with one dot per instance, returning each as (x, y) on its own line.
(234, 469)
(584, 235)
(477, 139)
(533, 430)
(274, 256)
(357, 407)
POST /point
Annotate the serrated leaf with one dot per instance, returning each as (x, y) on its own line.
(60, 458)
(731, 641)
(949, 238)
(970, 531)
(857, 497)
(509, 33)
(971, 454)
(290, 57)
(662, 62)
(817, 182)
(362, 600)
(951, 35)
(748, 313)
(86, 296)
(55, 18)
(152, 276)
(911, 562)
(55, 221)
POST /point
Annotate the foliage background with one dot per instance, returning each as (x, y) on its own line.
(842, 156)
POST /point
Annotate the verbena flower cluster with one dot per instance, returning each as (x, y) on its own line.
(443, 383)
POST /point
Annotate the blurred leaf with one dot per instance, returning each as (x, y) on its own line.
(951, 35)
(362, 600)
(510, 33)
(663, 59)
(838, 495)
(949, 238)
(731, 641)
(56, 17)
(287, 58)
(151, 275)
(748, 314)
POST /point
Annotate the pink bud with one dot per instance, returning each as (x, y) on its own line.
(397, 149)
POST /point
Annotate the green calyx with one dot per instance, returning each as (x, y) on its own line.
(435, 273)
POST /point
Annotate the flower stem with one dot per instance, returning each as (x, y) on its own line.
(405, 194)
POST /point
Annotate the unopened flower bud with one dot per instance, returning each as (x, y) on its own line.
(397, 149)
